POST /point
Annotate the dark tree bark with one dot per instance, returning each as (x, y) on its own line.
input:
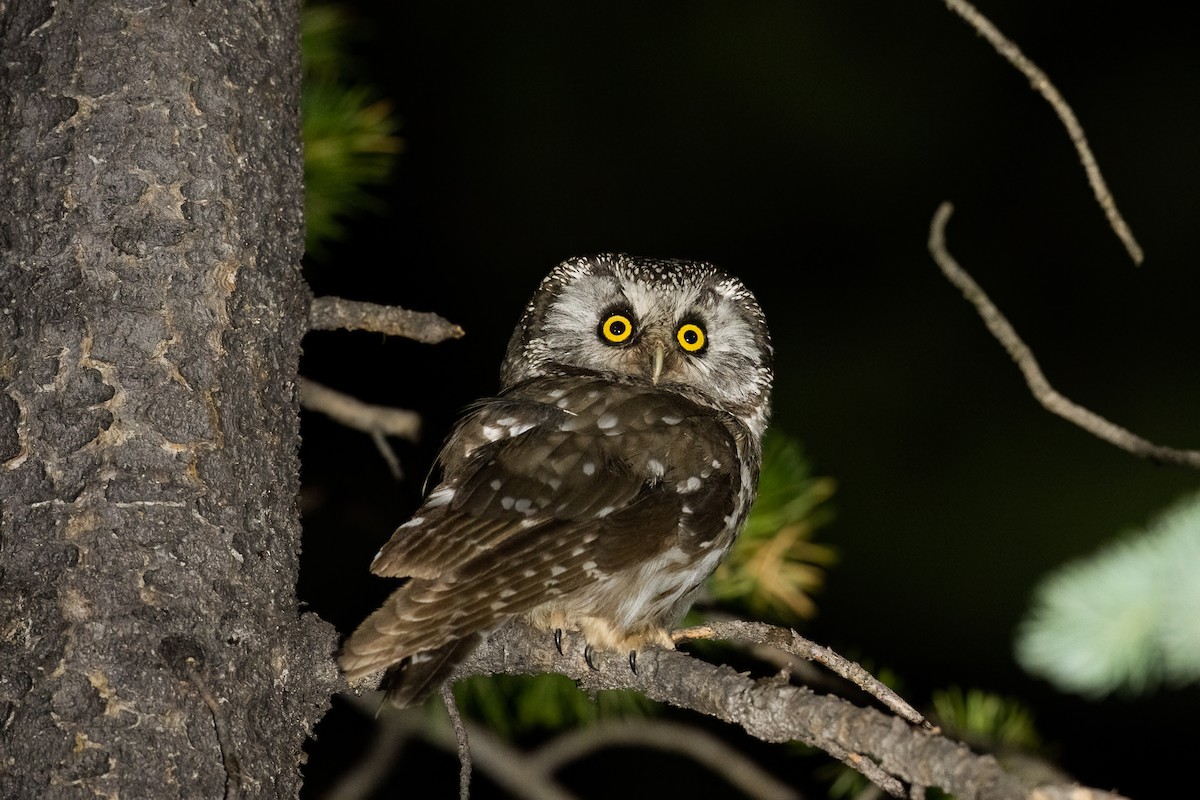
(151, 312)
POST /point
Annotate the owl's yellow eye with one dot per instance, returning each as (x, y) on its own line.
(691, 337)
(616, 329)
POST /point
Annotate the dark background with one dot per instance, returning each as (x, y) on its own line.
(804, 147)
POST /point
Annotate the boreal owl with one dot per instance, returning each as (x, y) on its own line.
(602, 485)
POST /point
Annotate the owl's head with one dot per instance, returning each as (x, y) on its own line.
(682, 325)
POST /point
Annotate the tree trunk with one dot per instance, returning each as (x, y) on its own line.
(151, 311)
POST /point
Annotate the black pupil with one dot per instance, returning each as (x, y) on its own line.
(616, 327)
(691, 337)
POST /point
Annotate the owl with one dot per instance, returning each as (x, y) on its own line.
(602, 485)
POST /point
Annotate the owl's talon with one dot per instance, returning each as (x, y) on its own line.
(558, 640)
(633, 661)
(587, 656)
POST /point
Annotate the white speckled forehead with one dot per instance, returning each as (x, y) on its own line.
(596, 281)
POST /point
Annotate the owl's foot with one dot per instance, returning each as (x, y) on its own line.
(599, 635)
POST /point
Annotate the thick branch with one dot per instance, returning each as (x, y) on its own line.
(1020, 353)
(885, 748)
(336, 313)
(984, 27)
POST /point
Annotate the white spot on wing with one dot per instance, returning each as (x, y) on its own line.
(440, 497)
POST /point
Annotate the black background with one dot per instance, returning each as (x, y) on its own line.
(804, 147)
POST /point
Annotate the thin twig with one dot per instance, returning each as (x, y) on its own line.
(510, 768)
(870, 770)
(377, 421)
(233, 767)
(984, 27)
(791, 642)
(1020, 353)
(703, 748)
(506, 766)
(336, 313)
(461, 740)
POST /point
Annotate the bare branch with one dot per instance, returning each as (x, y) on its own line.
(354, 413)
(984, 27)
(510, 768)
(705, 749)
(886, 749)
(377, 421)
(504, 764)
(1020, 353)
(791, 642)
(336, 313)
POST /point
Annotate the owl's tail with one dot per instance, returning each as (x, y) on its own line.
(419, 635)
(412, 679)
(420, 676)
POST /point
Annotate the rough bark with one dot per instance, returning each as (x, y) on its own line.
(151, 312)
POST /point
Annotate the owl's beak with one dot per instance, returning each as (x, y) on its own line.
(656, 365)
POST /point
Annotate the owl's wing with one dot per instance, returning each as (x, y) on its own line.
(546, 489)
